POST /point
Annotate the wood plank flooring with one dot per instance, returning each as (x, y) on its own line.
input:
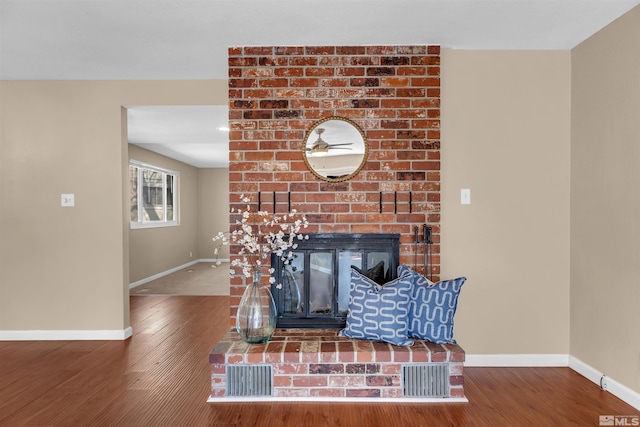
(160, 377)
(202, 278)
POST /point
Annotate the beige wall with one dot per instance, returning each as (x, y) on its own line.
(506, 136)
(506, 122)
(65, 268)
(214, 210)
(156, 250)
(605, 201)
(204, 210)
(505, 129)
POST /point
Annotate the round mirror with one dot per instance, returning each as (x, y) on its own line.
(335, 149)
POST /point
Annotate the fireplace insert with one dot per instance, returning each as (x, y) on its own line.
(315, 285)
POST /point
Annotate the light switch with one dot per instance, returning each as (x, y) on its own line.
(465, 196)
(67, 200)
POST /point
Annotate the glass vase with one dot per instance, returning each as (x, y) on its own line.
(257, 315)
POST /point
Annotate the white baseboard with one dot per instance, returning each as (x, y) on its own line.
(67, 335)
(622, 392)
(513, 360)
(173, 270)
(214, 260)
(162, 274)
(555, 360)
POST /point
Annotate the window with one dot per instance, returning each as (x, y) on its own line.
(154, 196)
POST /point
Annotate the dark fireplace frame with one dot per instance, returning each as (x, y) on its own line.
(370, 248)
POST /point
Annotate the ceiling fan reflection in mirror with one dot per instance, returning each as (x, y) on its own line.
(321, 148)
(335, 149)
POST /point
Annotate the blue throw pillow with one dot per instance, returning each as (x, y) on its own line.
(376, 312)
(431, 310)
(375, 273)
(417, 278)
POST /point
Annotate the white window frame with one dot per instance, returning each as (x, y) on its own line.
(164, 222)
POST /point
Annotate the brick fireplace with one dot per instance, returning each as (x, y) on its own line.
(392, 93)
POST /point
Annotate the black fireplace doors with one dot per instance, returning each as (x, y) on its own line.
(312, 289)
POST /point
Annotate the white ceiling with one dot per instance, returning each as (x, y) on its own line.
(188, 39)
(189, 133)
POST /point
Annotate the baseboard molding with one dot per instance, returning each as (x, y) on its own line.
(173, 270)
(162, 274)
(67, 335)
(515, 360)
(398, 400)
(214, 260)
(622, 392)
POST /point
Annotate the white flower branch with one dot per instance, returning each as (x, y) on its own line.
(260, 234)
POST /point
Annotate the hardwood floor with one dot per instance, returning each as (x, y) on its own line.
(197, 279)
(159, 377)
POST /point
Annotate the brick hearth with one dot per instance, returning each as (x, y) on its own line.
(318, 364)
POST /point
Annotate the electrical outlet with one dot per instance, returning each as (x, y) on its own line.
(190, 254)
(604, 383)
(67, 200)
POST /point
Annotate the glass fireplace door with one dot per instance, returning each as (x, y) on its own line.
(291, 294)
(316, 283)
(308, 287)
(308, 291)
(314, 287)
(321, 284)
(345, 260)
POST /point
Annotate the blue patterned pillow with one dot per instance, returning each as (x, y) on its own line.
(431, 310)
(376, 312)
(417, 278)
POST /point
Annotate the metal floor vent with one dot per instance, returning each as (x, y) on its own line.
(249, 380)
(425, 380)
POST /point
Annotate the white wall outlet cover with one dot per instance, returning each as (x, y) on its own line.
(67, 200)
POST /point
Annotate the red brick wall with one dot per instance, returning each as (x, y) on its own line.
(391, 92)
